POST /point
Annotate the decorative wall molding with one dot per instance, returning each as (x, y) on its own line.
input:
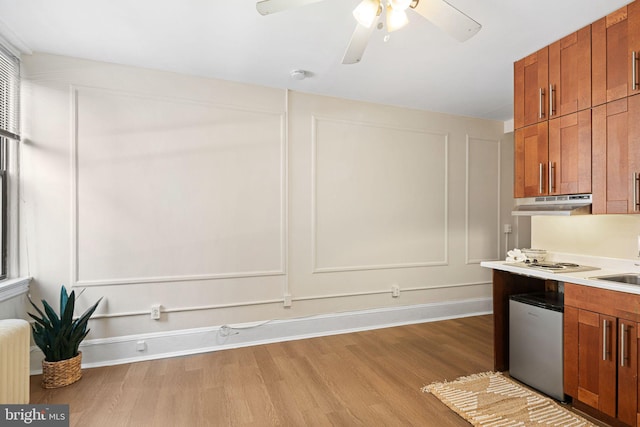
(182, 278)
(389, 291)
(314, 199)
(280, 116)
(151, 346)
(378, 267)
(183, 309)
(469, 139)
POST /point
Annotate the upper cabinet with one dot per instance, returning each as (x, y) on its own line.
(554, 157)
(552, 118)
(569, 88)
(531, 160)
(531, 78)
(577, 115)
(554, 81)
(615, 55)
(569, 168)
(616, 157)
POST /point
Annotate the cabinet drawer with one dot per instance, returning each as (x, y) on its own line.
(613, 303)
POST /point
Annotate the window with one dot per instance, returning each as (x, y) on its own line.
(9, 136)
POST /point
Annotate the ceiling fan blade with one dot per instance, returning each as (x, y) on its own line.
(358, 42)
(448, 18)
(266, 7)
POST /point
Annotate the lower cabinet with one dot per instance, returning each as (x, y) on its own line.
(601, 339)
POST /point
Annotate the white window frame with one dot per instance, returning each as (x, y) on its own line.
(9, 162)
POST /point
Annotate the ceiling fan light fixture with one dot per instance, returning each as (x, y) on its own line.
(396, 19)
(400, 5)
(366, 12)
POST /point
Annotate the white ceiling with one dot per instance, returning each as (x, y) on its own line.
(419, 67)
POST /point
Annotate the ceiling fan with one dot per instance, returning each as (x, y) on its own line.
(369, 14)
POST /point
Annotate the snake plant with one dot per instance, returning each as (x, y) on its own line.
(59, 336)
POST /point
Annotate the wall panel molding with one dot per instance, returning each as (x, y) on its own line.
(369, 154)
(487, 176)
(275, 119)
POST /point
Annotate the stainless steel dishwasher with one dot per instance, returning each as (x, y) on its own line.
(536, 342)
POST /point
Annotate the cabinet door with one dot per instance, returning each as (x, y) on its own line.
(531, 80)
(627, 371)
(569, 168)
(569, 75)
(637, 349)
(597, 342)
(571, 346)
(615, 156)
(615, 47)
(531, 160)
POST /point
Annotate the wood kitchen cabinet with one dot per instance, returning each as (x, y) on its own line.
(554, 157)
(531, 160)
(615, 43)
(616, 156)
(553, 81)
(569, 88)
(552, 118)
(601, 350)
(595, 71)
(590, 345)
(569, 167)
(531, 80)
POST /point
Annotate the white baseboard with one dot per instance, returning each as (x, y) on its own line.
(118, 350)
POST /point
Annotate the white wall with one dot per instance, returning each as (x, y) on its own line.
(13, 299)
(218, 199)
(613, 236)
(520, 237)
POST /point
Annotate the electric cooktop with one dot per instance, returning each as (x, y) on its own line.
(554, 267)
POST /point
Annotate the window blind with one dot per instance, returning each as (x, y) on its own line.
(9, 95)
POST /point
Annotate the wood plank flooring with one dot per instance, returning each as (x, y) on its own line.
(370, 378)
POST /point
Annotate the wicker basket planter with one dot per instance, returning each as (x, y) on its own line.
(62, 373)
(59, 335)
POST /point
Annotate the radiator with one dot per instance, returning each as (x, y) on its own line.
(14, 361)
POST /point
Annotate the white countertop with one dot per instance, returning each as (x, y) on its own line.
(607, 267)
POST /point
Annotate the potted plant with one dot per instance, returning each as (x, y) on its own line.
(59, 336)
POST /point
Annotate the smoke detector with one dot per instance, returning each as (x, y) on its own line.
(298, 74)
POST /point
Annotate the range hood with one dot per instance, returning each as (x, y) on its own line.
(575, 204)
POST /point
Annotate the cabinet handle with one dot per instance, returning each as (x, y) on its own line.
(605, 338)
(540, 178)
(552, 170)
(541, 103)
(622, 352)
(636, 184)
(552, 108)
(634, 70)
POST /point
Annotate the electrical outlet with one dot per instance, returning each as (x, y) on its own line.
(395, 291)
(141, 345)
(155, 311)
(287, 300)
(508, 229)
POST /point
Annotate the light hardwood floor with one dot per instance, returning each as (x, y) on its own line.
(370, 378)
